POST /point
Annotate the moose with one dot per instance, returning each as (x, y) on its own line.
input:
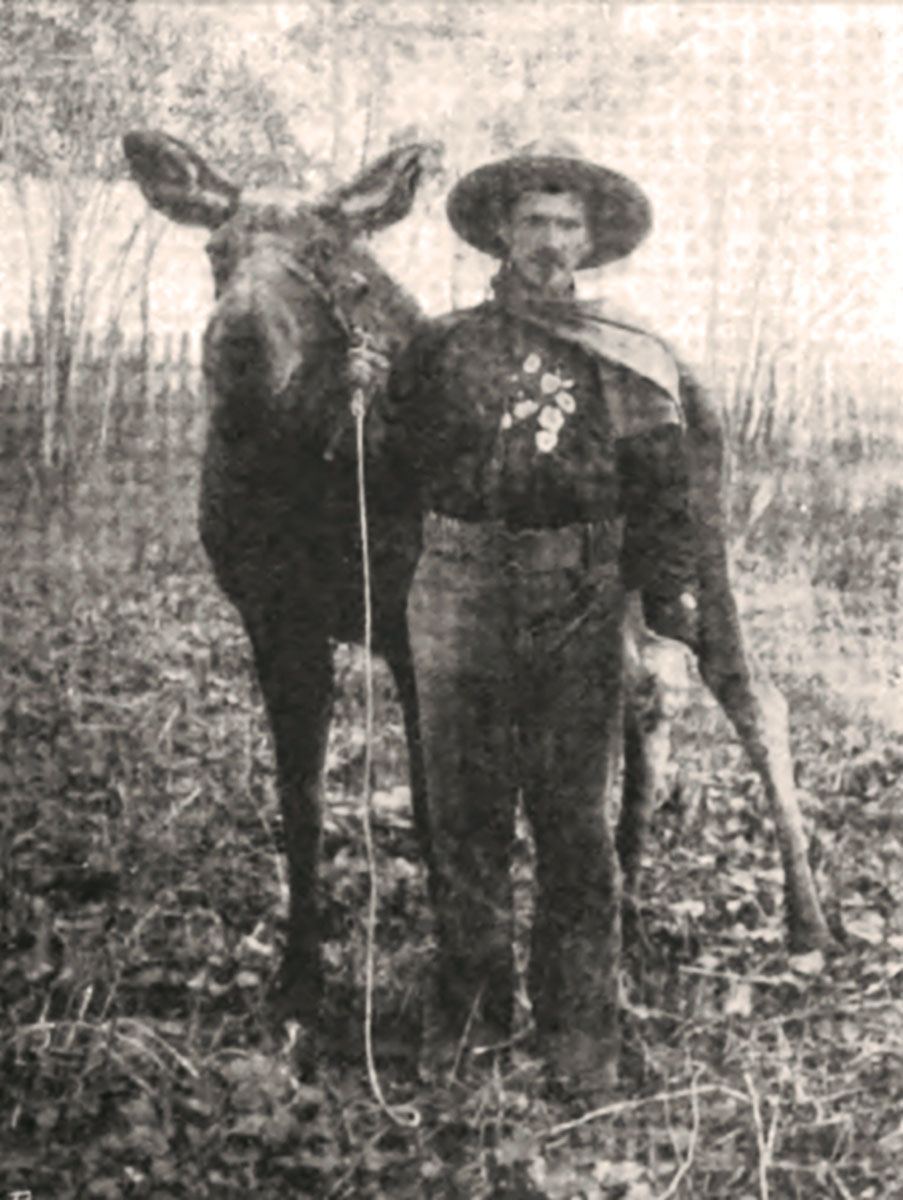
(279, 515)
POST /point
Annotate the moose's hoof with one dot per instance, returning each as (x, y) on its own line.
(295, 997)
(812, 933)
(581, 1070)
(635, 938)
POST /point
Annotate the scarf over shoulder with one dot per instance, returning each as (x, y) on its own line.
(613, 344)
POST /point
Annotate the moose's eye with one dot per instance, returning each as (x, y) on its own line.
(217, 252)
(358, 285)
(219, 259)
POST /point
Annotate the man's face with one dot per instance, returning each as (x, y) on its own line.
(547, 235)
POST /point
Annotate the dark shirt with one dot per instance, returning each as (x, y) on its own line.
(498, 418)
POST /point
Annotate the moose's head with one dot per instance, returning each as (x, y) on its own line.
(293, 284)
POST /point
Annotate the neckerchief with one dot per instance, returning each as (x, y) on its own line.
(612, 344)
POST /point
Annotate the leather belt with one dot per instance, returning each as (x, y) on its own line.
(580, 546)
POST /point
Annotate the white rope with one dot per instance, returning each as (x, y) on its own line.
(405, 1115)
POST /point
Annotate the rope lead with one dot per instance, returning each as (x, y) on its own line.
(405, 1115)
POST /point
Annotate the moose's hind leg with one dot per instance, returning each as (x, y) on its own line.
(758, 712)
(655, 689)
(643, 777)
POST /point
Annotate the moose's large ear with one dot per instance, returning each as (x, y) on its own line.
(177, 181)
(383, 192)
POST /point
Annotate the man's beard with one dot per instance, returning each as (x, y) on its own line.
(550, 272)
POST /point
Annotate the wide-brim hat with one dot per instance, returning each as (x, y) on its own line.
(618, 211)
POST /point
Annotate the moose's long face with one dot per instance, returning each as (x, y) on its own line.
(283, 309)
(290, 281)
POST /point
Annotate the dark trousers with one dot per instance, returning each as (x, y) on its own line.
(517, 652)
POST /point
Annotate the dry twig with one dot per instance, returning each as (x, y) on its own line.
(141, 1034)
(687, 1163)
(763, 1142)
(762, 980)
(625, 1106)
(845, 1192)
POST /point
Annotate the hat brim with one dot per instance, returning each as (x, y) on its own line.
(618, 212)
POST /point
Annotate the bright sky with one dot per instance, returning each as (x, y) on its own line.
(893, 299)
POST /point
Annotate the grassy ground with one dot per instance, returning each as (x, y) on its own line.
(143, 898)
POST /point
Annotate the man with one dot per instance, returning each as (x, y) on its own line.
(547, 446)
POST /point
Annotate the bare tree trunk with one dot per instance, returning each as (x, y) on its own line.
(337, 87)
(145, 356)
(377, 51)
(94, 212)
(35, 307)
(112, 355)
(57, 352)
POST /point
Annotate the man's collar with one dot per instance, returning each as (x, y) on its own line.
(511, 290)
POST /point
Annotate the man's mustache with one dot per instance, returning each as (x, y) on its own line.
(547, 259)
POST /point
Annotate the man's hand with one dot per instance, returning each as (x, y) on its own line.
(367, 371)
(368, 366)
(675, 617)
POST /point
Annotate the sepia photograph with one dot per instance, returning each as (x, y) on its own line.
(451, 577)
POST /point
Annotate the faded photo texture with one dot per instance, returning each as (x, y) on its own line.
(142, 881)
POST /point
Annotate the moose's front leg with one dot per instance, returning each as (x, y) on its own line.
(294, 667)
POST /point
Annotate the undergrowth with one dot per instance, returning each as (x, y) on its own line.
(143, 899)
